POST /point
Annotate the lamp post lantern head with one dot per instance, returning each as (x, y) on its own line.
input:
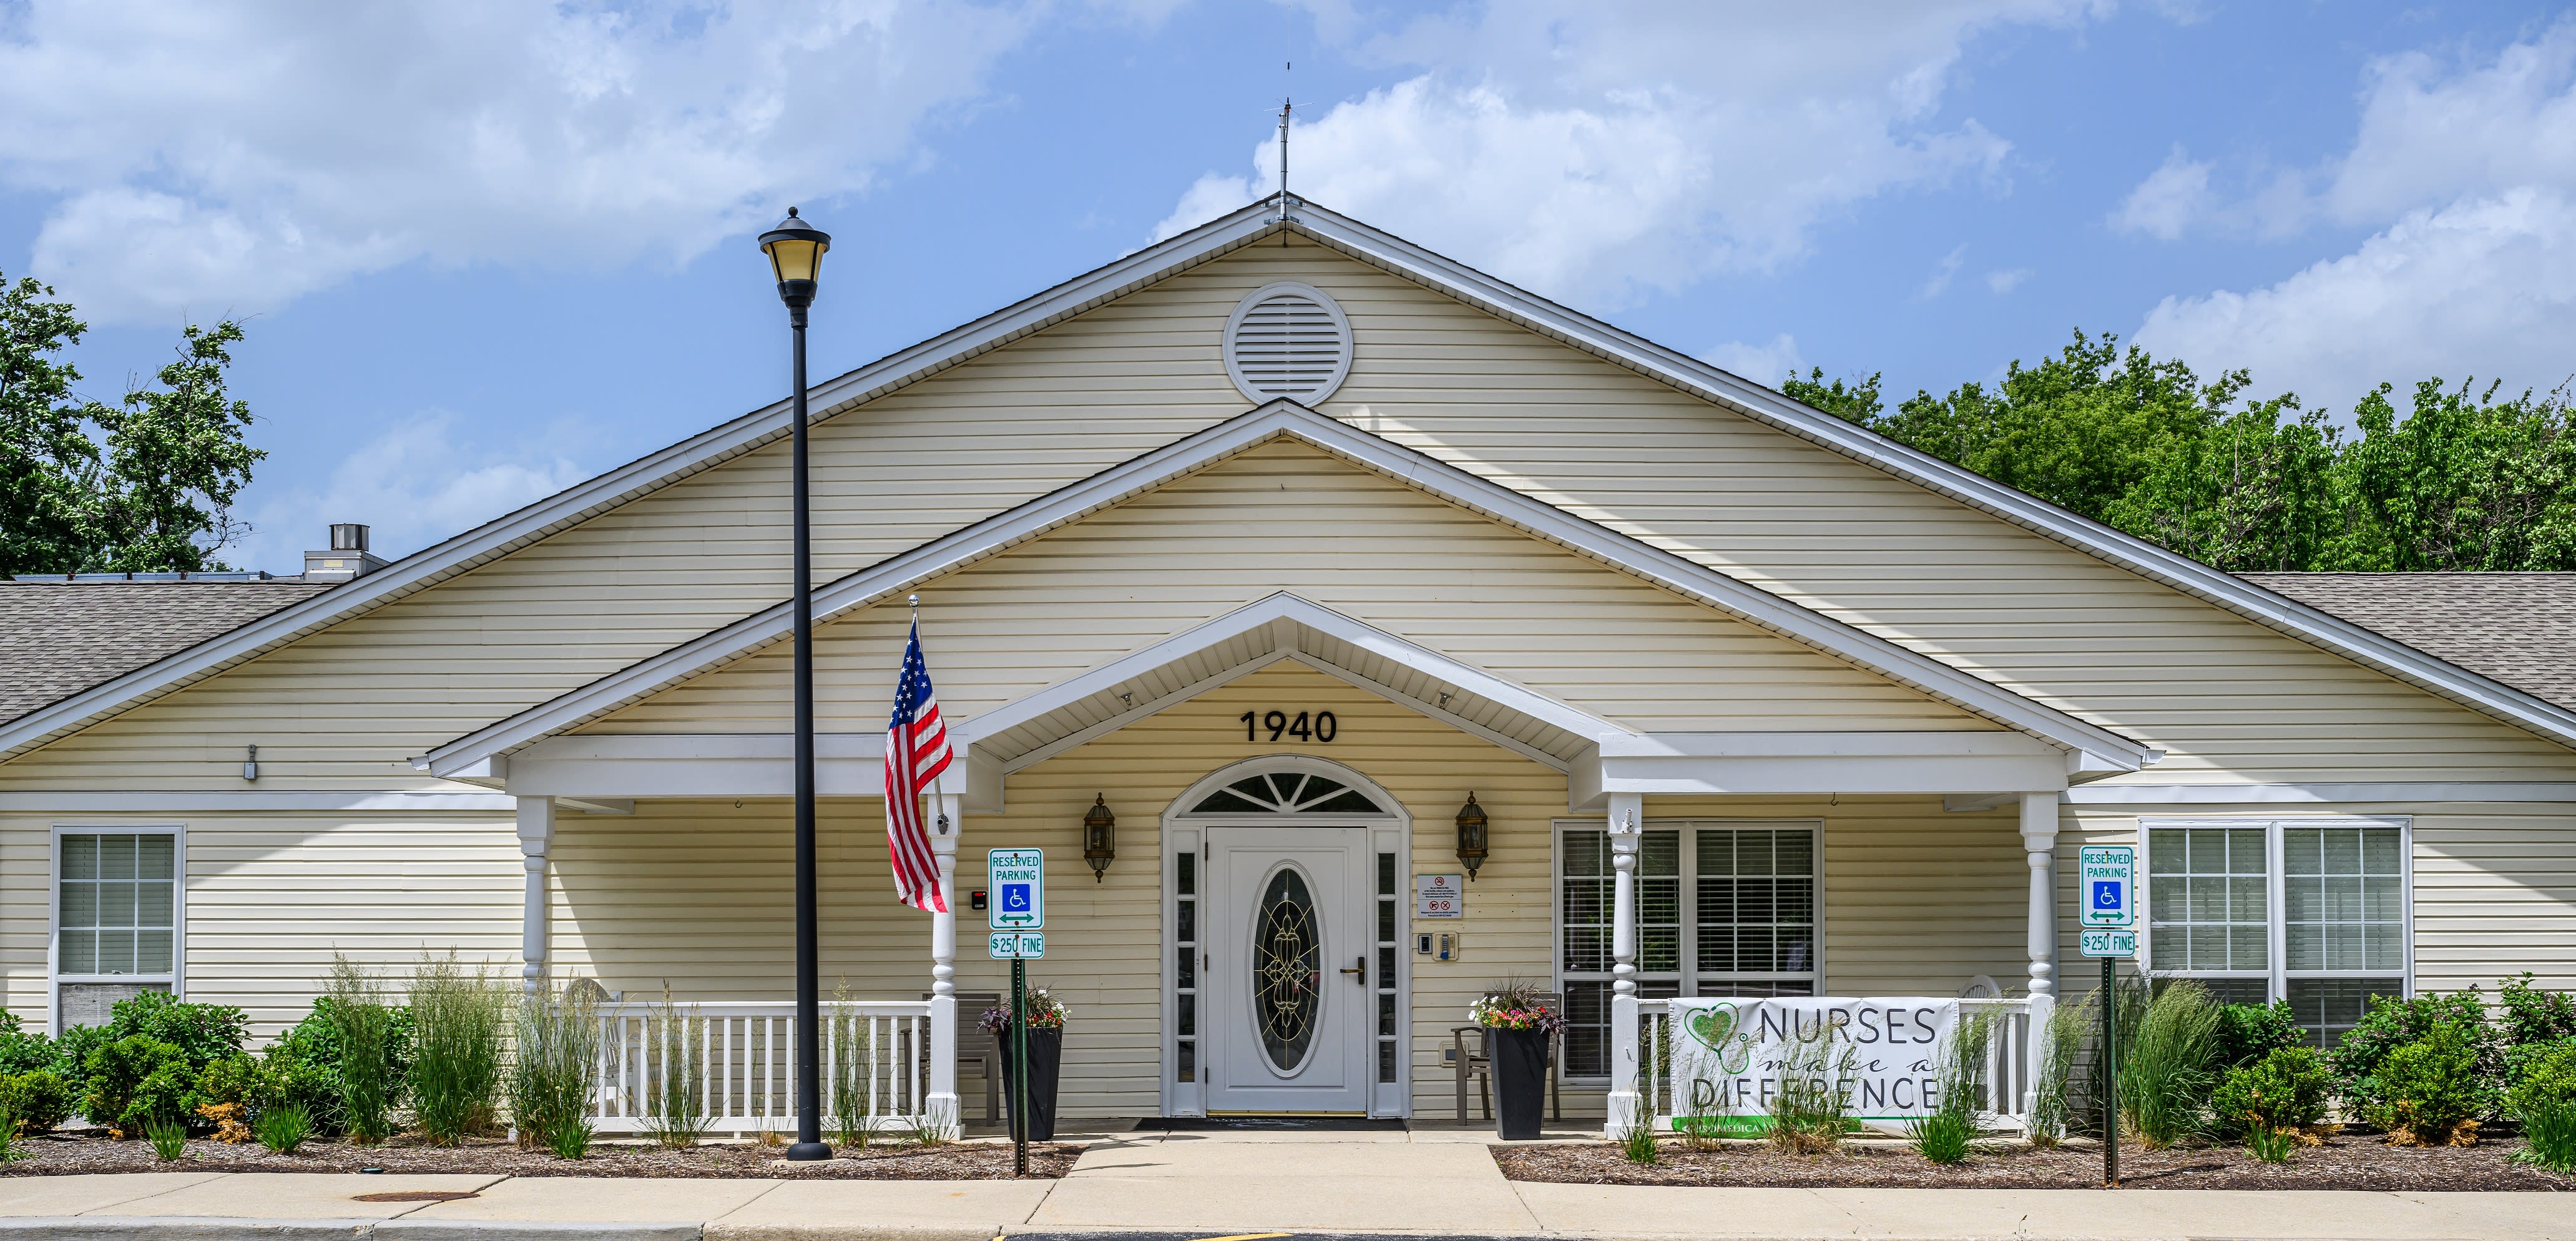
(795, 250)
(1471, 836)
(1099, 837)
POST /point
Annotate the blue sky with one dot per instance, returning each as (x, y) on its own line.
(487, 250)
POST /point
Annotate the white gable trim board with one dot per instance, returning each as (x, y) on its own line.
(1199, 245)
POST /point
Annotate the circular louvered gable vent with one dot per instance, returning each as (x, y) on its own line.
(1287, 340)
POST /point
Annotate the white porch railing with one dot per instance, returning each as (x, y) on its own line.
(745, 1063)
(2011, 1073)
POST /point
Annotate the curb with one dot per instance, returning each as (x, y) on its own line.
(222, 1228)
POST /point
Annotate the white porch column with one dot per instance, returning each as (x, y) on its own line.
(1626, 1110)
(2039, 843)
(536, 832)
(941, 1101)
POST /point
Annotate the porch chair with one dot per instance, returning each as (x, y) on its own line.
(1479, 1064)
(978, 1049)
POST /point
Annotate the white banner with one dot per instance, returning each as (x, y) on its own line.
(1729, 1056)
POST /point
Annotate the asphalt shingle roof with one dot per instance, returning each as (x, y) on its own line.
(2514, 628)
(59, 638)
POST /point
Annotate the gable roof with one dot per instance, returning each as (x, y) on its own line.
(2515, 628)
(59, 638)
(1276, 420)
(1362, 243)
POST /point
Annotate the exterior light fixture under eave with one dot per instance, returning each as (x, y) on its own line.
(1471, 836)
(1099, 837)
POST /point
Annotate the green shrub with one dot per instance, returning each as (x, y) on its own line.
(2287, 1089)
(21, 1052)
(2247, 1033)
(460, 1033)
(71, 1059)
(2392, 1023)
(36, 1101)
(2545, 1102)
(2431, 1090)
(2165, 1077)
(282, 1129)
(2521, 1059)
(203, 1033)
(137, 1080)
(556, 1054)
(233, 1079)
(2531, 1015)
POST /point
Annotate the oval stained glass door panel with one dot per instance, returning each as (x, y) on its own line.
(1287, 971)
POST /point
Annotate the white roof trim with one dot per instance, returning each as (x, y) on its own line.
(1211, 240)
(1273, 421)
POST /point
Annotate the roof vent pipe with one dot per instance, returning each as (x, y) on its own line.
(347, 559)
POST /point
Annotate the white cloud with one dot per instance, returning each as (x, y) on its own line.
(1764, 364)
(2001, 282)
(231, 158)
(416, 484)
(1599, 152)
(1942, 272)
(2465, 175)
(2484, 287)
(2169, 200)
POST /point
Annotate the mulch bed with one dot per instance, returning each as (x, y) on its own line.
(63, 1154)
(2361, 1162)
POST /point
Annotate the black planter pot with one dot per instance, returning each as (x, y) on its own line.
(1520, 1080)
(1046, 1057)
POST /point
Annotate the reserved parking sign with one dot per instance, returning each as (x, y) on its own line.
(2110, 883)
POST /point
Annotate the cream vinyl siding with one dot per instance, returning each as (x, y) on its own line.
(699, 893)
(270, 898)
(2228, 699)
(1287, 517)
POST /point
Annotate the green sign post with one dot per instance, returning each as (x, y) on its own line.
(2109, 885)
(1016, 912)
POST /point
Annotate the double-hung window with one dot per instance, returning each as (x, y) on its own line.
(1723, 908)
(116, 918)
(2313, 910)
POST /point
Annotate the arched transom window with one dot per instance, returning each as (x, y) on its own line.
(1287, 792)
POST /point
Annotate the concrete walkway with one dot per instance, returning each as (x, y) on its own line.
(1429, 1182)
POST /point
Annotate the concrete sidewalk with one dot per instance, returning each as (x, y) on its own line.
(1202, 1185)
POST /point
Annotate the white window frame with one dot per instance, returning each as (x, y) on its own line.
(2275, 892)
(1687, 955)
(55, 978)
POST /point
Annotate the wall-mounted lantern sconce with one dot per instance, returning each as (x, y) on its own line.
(1099, 837)
(250, 763)
(1471, 836)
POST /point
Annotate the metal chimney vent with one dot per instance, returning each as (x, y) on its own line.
(348, 537)
(1288, 340)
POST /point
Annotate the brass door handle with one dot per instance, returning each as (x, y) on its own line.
(1360, 969)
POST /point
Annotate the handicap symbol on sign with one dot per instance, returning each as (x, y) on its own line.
(2106, 895)
(1015, 897)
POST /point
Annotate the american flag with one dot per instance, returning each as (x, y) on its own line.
(916, 751)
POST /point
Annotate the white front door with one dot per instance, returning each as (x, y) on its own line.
(1289, 970)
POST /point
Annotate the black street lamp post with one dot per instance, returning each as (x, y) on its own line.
(796, 255)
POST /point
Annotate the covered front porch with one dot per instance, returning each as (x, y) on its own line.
(660, 857)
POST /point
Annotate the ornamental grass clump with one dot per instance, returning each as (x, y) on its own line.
(1945, 1135)
(2165, 1076)
(2052, 1114)
(460, 1021)
(2545, 1102)
(1637, 1146)
(1811, 1096)
(853, 1060)
(555, 1055)
(282, 1129)
(169, 1138)
(675, 1105)
(362, 1028)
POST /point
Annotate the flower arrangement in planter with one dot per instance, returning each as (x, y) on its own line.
(1520, 1023)
(1046, 1017)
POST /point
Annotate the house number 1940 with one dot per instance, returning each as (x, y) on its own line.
(1306, 726)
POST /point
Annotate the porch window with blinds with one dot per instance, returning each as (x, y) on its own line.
(2313, 911)
(1722, 909)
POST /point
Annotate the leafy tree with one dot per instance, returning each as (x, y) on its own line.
(142, 485)
(2462, 482)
